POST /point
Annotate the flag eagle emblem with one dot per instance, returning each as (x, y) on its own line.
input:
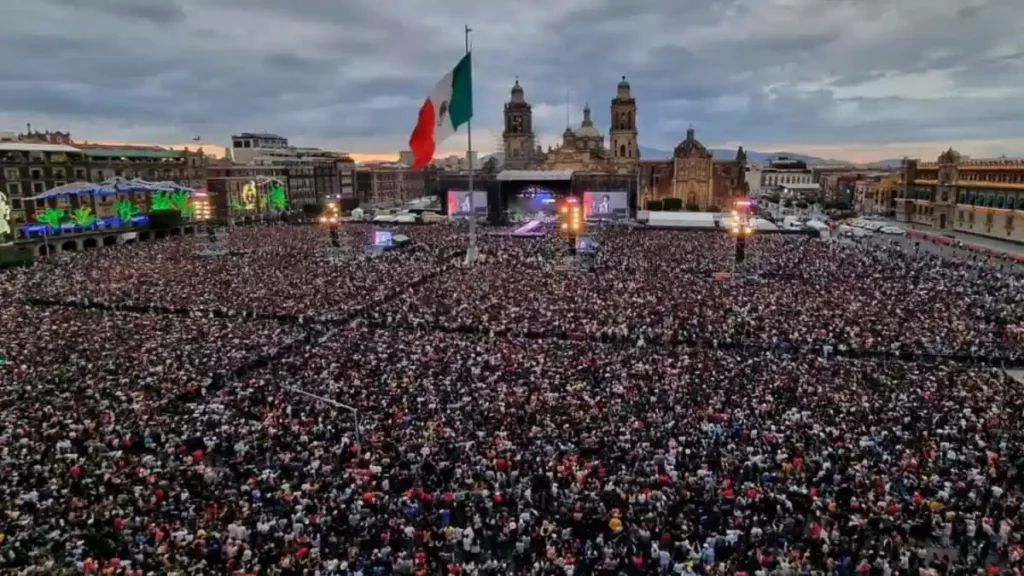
(442, 112)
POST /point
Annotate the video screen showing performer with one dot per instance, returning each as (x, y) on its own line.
(606, 205)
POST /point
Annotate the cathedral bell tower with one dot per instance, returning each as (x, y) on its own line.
(518, 137)
(625, 146)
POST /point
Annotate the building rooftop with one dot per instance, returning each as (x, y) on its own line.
(264, 135)
(36, 147)
(534, 175)
(105, 152)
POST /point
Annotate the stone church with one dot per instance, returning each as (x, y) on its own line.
(692, 174)
(583, 149)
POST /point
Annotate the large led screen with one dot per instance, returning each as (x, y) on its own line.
(459, 203)
(606, 205)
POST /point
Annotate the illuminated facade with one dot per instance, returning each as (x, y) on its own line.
(35, 163)
(244, 190)
(984, 197)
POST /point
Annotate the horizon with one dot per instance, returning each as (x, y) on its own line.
(856, 154)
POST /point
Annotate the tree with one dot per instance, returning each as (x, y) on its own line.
(491, 166)
(654, 205)
(713, 208)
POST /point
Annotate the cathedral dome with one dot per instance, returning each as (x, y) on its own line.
(586, 129)
(691, 147)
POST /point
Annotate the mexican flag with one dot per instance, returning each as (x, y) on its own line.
(449, 106)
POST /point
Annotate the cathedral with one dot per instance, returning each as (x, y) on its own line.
(691, 174)
(583, 149)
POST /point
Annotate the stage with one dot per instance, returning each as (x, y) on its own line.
(514, 197)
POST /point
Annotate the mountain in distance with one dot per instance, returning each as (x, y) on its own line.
(647, 153)
(891, 163)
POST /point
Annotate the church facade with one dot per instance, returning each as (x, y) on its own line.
(583, 149)
(692, 174)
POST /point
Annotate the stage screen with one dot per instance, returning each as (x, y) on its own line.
(458, 203)
(533, 203)
(606, 205)
(382, 238)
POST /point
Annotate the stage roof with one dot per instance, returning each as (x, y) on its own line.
(534, 175)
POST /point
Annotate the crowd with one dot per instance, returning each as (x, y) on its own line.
(263, 270)
(517, 417)
(660, 285)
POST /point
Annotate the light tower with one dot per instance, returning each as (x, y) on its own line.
(741, 228)
(570, 217)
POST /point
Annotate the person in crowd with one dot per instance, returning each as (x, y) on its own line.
(277, 411)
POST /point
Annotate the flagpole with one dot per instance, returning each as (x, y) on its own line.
(471, 251)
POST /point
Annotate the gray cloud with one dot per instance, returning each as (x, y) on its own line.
(350, 74)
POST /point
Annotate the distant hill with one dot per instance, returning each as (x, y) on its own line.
(728, 154)
(894, 163)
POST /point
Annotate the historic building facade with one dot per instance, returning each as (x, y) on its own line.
(693, 176)
(984, 196)
(583, 149)
(34, 163)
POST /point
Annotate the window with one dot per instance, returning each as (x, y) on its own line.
(58, 173)
(15, 203)
(36, 174)
(1009, 221)
(38, 187)
(12, 174)
(13, 189)
(622, 151)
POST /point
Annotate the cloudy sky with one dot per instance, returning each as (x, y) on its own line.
(857, 79)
